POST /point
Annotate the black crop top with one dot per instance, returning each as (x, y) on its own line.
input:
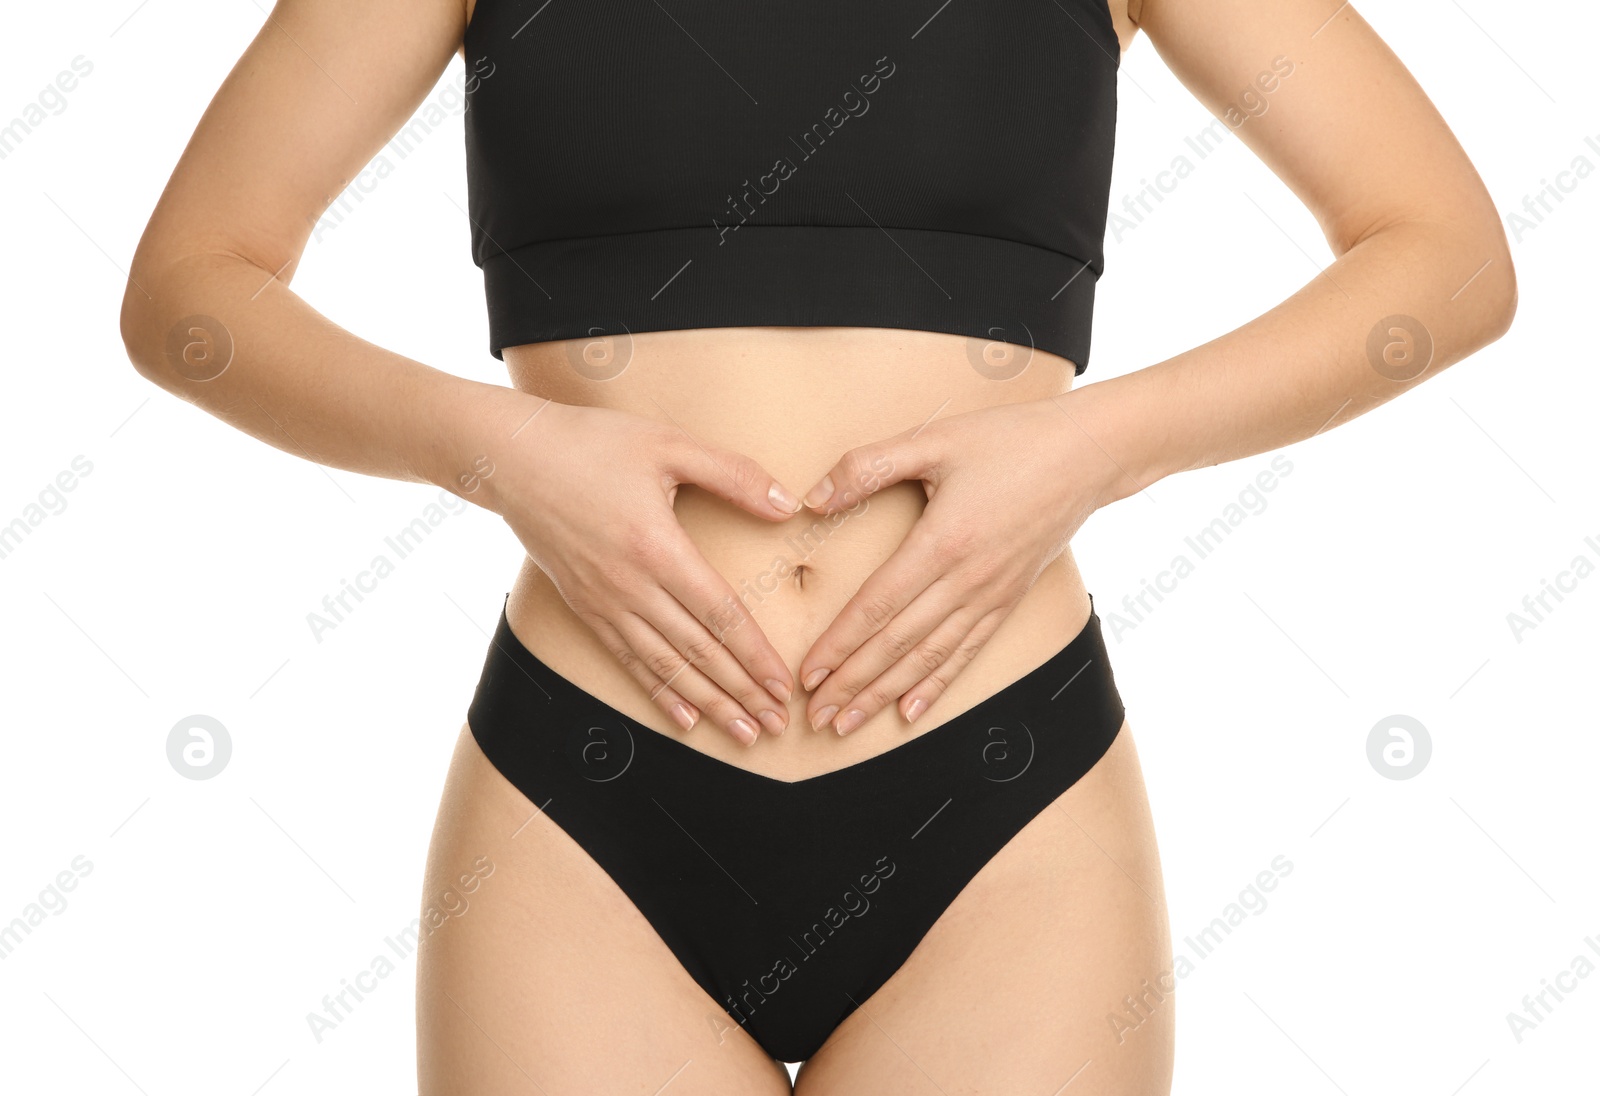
(648, 165)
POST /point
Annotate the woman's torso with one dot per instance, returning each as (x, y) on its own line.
(794, 399)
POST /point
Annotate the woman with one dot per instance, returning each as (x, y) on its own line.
(797, 739)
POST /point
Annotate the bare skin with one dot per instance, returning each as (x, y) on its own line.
(554, 976)
(553, 981)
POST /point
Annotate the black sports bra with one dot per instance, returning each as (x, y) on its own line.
(648, 165)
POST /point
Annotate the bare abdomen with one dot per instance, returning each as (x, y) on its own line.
(795, 399)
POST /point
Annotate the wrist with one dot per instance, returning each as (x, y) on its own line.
(481, 423)
(1126, 451)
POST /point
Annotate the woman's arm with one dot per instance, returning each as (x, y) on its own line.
(209, 316)
(312, 100)
(1422, 278)
(1422, 275)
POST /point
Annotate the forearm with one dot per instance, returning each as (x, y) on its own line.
(262, 359)
(1310, 363)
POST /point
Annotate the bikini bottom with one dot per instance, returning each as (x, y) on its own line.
(792, 902)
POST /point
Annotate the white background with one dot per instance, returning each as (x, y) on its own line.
(1376, 581)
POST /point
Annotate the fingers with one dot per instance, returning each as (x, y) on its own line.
(923, 675)
(665, 697)
(732, 477)
(744, 662)
(668, 665)
(910, 570)
(920, 639)
(704, 648)
(867, 469)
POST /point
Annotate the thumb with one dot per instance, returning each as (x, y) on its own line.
(732, 477)
(867, 469)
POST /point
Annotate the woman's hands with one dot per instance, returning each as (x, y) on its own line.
(1007, 488)
(590, 496)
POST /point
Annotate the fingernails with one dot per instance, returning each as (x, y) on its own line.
(743, 732)
(778, 689)
(685, 716)
(821, 493)
(772, 721)
(781, 497)
(850, 721)
(915, 708)
(822, 717)
(815, 678)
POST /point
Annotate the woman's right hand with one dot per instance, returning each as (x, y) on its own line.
(589, 492)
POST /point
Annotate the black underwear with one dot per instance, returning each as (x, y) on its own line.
(791, 903)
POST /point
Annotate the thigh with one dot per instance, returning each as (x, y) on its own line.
(536, 973)
(1047, 975)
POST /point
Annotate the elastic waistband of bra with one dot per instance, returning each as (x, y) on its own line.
(793, 276)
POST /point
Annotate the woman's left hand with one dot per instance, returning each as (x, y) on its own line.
(1007, 488)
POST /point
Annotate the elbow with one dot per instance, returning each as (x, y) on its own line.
(1496, 304)
(150, 338)
(1482, 283)
(1486, 302)
(1491, 292)
(147, 302)
(166, 333)
(1507, 300)
(1471, 256)
(136, 322)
